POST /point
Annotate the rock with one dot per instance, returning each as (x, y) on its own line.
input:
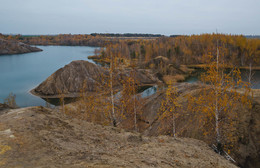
(41, 137)
(70, 79)
(14, 47)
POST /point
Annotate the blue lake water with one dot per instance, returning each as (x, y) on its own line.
(150, 91)
(22, 72)
(244, 74)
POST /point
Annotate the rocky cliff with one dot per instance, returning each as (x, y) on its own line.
(14, 47)
(41, 137)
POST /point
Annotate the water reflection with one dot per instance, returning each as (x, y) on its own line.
(22, 72)
(58, 102)
(150, 91)
(145, 91)
(244, 75)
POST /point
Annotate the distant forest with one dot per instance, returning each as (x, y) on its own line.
(234, 50)
(125, 35)
(253, 36)
(237, 50)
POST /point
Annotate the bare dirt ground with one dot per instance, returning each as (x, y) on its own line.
(36, 137)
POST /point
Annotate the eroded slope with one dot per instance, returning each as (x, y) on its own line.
(40, 137)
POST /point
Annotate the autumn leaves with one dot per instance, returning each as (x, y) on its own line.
(212, 109)
(169, 110)
(114, 100)
(237, 50)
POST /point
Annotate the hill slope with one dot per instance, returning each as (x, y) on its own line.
(40, 137)
(246, 152)
(70, 79)
(14, 47)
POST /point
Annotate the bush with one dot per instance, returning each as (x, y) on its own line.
(10, 100)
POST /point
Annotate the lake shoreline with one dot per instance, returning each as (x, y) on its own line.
(23, 72)
(203, 66)
(12, 47)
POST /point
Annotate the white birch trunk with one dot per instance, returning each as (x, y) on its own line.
(112, 94)
(250, 74)
(135, 114)
(135, 117)
(216, 105)
(173, 126)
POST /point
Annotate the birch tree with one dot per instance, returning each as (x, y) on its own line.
(222, 92)
(169, 110)
(130, 102)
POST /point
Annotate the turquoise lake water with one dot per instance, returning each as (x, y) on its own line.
(244, 74)
(22, 72)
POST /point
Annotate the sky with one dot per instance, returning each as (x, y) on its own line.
(130, 16)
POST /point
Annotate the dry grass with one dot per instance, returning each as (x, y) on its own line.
(185, 69)
(173, 78)
(256, 92)
(55, 140)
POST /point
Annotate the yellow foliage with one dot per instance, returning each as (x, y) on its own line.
(218, 99)
(129, 102)
(169, 110)
(237, 49)
(3, 150)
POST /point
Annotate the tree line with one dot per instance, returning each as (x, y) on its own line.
(125, 35)
(61, 39)
(237, 49)
(94, 39)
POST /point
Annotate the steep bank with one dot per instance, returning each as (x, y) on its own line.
(14, 47)
(41, 137)
(247, 148)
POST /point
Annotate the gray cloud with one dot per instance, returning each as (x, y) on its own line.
(135, 16)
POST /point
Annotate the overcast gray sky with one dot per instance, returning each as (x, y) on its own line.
(129, 16)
